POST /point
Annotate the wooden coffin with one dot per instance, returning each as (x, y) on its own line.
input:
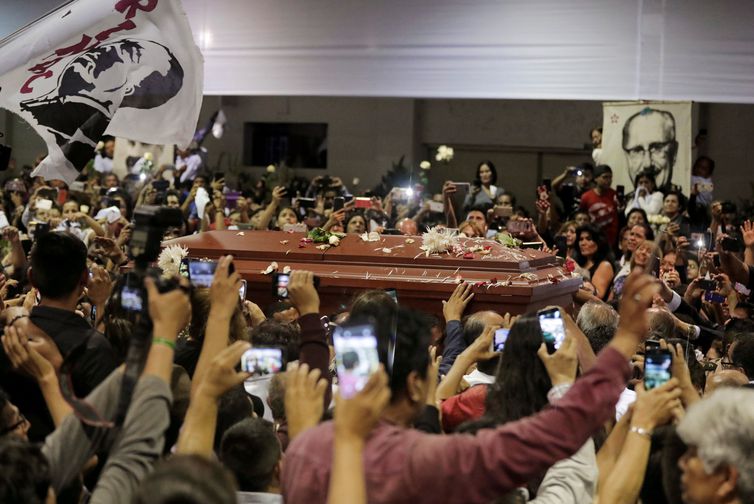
(506, 280)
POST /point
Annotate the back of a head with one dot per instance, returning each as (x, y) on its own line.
(411, 329)
(598, 322)
(251, 451)
(743, 356)
(234, 406)
(522, 382)
(187, 479)
(661, 324)
(721, 428)
(58, 263)
(280, 334)
(738, 330)
(24, 472)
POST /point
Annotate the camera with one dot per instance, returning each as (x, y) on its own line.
(150, 223)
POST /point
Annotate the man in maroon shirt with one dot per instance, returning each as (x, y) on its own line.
(405, 465)
(602, 205)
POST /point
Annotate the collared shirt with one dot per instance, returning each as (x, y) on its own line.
(259, 498)
(406, 466)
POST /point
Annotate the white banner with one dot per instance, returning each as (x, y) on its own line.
(648, 137)
(127, 68)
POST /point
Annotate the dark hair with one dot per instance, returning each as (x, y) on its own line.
(743, 356)
(251, 450)
(187, 479)
(4, 417)
(58, 263)
(645, 174)
(709, 160)
(737, 330)
(412, 336)
(24, 472)
(681, 199)
(200, 305)
(478, 179)
(522, 382)
(280, 334)
(276, 397)
(234, 406)
(603, 249)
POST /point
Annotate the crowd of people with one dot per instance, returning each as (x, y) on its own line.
(448, 416)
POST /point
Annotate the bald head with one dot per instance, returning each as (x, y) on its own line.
(407, 227)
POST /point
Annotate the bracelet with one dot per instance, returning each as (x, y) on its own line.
(164, 341)
(642, 432)
(558, 391)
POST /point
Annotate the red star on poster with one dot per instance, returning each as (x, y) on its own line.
(614, 118)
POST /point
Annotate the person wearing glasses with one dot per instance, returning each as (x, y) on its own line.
(650, 145)
(12, 421)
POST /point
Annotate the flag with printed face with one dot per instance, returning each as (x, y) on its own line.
(126, 68)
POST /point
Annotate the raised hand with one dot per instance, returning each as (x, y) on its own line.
(302, 293)
(356, 417)
(171, 311)
(456, 304)
(747, 232)
(221, 375)
(561, 366)
(657, 406)
(304, 398)
(223, 293)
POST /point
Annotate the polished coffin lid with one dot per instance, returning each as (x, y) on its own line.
(505, 279)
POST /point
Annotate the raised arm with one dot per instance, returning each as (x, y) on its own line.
(269, 212)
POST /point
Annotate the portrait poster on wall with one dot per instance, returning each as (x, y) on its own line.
(653, 137)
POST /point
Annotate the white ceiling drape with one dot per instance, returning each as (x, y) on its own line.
(536, 49)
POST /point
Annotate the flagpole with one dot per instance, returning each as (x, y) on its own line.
(13, 35)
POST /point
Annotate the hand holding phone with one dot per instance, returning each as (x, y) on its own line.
(280, 285)
(201, 273)
(356, 356)
(658, 365)
(262, 361)
(553, 328)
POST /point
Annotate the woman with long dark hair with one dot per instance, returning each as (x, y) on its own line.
(483, 189)
(593, 256)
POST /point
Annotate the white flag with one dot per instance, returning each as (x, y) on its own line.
(126, 68)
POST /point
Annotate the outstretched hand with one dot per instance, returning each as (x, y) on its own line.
(561, 366)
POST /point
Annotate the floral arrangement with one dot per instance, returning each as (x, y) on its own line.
(444, 154)
(425, 165)
(439, 240)
(170, 260)
(319, 235)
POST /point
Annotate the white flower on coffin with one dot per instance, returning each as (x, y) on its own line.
(170, 260)
(658, 219)
(372, 236)
(334, 240)
(425, 165)
(438, 241)
(271, 268)
(444, 154)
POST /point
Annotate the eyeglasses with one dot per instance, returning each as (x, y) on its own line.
(654, 149)
(21, 421)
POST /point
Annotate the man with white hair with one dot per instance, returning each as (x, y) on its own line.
(718, 467)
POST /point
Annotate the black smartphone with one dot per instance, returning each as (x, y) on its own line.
(49, 193)
(553, 328)
(305, 202)
(707, 284)
(561, 244)
(548, 184)
(42, 228)
(132, 298)
(201, 273)
(657, 368)
(730, 244)
(262, 361)
(280, 285)
(716, 261)
(621, 191)
(651, 344)
(356, 356)
(338, 203)
(160, 185)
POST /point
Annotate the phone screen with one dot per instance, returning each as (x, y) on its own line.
(498, 342)
(131, 299)
(280, 285)
(657, 368)
(201, 273)
(338, 203)
(356, 357)
(553, 328)
(242, 290)
(262, 361)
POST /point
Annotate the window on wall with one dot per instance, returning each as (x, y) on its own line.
(298, 145)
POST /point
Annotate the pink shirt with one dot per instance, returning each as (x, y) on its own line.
(412, 467)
